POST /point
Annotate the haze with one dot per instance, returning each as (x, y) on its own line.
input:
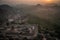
(28, 1)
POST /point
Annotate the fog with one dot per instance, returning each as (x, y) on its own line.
(31, 2)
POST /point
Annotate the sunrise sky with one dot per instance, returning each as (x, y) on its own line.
(29, 1)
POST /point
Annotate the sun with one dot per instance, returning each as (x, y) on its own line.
(48, 1)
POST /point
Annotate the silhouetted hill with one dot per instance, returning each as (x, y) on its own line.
(5, 10)
(53, 5)
(5, 7)
(38, 5)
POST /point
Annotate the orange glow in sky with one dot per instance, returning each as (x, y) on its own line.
(31, 1)
(47, 1)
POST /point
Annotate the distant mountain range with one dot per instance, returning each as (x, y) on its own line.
(37, 10)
